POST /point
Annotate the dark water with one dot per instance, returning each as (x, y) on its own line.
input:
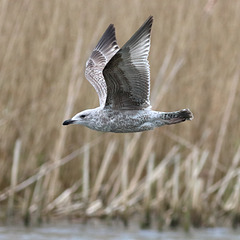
(104, 232)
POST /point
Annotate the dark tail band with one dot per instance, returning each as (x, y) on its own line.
(178, 116)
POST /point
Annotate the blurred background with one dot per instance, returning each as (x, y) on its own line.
(186, 174)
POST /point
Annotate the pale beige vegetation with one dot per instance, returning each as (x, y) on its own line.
(187, 173)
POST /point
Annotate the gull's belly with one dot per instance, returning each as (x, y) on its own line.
(125, 121)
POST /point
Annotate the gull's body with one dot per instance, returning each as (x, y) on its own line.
(121, 78)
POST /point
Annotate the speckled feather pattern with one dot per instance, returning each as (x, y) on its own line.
(121, 78)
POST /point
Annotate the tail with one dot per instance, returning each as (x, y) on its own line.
(177, 117)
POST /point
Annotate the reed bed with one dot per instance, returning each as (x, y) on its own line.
(184, 175)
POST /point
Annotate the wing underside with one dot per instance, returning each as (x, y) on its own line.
(102, 53)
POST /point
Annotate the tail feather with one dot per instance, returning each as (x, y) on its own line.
(178, 116)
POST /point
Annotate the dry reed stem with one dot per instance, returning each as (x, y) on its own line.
(187, 166)
(147, 191)
(94, 207)
(130, 147)
(70, 209)
(116, 183)
(142, 163)
(160, 188)
(14, 176)
(25, 205)
(85, 175)
(196, 184)
(127, 152)
(233, 201)
(175, 181)
(201, 163)
(64, 197)
(103, 169)
(37, 195)
(197, 202)
(223, 128)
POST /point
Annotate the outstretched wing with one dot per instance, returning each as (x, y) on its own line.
(102, 53)
(127, 74)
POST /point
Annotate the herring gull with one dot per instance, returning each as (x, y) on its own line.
(121, 78)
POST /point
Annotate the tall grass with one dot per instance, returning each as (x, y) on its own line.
(183, 174)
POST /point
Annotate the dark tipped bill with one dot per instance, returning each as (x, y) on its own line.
(69, 121)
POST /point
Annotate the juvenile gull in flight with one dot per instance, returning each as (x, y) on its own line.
(121, 78)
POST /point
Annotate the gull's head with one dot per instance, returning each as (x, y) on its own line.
(82, 118)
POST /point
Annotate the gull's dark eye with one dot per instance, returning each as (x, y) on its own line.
(82, 116)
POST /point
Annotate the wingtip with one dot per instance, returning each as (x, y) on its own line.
(111, 27)
(148, 23)
(108, 39)
(110, 31)
(150, 19)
